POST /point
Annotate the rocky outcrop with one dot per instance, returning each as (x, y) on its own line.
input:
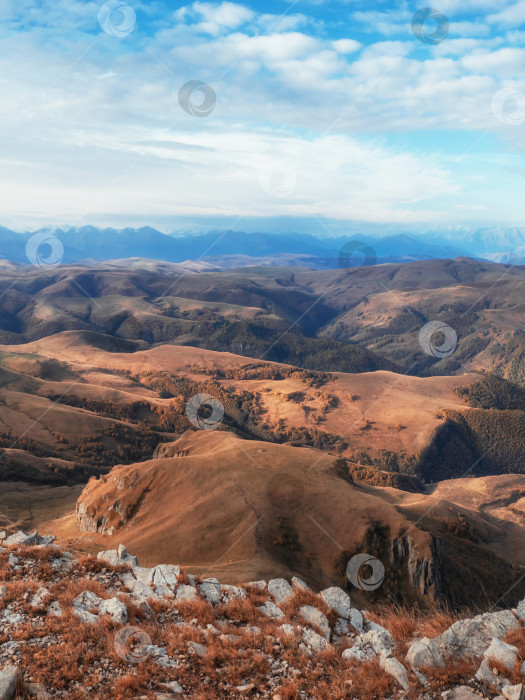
(424, 572)
(127, 599)
(166, 450)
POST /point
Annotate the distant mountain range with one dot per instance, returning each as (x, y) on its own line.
(238, 249)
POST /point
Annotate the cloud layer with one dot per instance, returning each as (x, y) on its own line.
(336, 111)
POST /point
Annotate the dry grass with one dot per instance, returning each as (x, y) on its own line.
(455, 672)
(240, 610)
(198, 609)
(66, 655)
(66, 591)
(301, 597)
(517, 639)
(406, 623)
(366, 680)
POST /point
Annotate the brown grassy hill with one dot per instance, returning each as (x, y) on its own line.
(355, 415)
(385, 307)
(247, 509)
(333, 320)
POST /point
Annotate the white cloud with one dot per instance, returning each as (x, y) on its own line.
(215, 18)
(77, 115)
(509, 16)
(346, 45)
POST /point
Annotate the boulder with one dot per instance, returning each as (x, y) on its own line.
(299, 583)
(313, 641)
(502, 653)
(229, 592)
(8, 682)
(117, 557)
(338, 600)
(514, 692)
(473, 636)
(22, 538)
(210, 590)
(424, 653)
(165, 579)
(116, 609)
(280, 589)
(376, 642)
(315, 617)
(395, 668)
(87, 606)
(185, 593)
(271, 610)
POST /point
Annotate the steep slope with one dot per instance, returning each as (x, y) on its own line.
(247, 509)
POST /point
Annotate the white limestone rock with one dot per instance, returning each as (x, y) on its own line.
(313, 641)
(8, 682)
(338, 600)
(116, 557)
(280, 589)
(424, 653)
(315, 617)
(395, 668)
(210, 590)
(185, 593)
(376, 642)
(473, 636)
(271, 610)
(514, 692)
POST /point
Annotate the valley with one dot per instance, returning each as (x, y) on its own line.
(324, 386)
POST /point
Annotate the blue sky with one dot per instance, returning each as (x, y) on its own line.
(322, 112)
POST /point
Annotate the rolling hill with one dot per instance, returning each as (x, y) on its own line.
(265, 509)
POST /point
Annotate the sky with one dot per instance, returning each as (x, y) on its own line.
(180, 115)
